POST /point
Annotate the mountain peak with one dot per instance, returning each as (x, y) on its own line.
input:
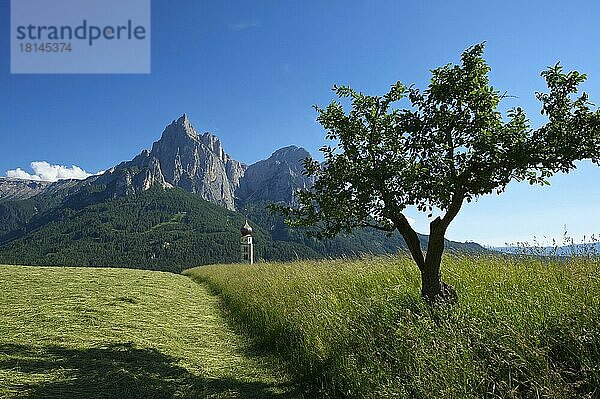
(180, 127)
(183, 120)
(290, 152)
(179, 133)
(195, 162)
(276, 178)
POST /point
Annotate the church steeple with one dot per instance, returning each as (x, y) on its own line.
(246, 229)
(246, 243)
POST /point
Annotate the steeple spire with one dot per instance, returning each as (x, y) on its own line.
(246, 229)
(247, 245)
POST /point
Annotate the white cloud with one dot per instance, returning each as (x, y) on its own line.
(43, 171)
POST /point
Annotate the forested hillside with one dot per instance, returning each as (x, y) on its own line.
(156, 229)
(161, 229)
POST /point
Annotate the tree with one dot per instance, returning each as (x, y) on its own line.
(452, 144)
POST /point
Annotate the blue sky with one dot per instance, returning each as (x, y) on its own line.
(250, 72)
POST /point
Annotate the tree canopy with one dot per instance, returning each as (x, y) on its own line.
(450, 144)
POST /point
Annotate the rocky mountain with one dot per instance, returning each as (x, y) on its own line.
(275, 179)
(198, 164)
(18, 189)
(181, 158)
(14, 189)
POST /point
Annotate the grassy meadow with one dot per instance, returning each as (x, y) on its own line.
(118, 333)
(523, 328)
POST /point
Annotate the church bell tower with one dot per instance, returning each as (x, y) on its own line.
(247, 245)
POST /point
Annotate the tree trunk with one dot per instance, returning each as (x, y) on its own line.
(433, 288)
(412, 240)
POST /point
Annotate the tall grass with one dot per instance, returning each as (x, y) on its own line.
(359, 329)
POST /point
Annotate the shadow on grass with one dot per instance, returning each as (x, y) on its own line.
(119, 371)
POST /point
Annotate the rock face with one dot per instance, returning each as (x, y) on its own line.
(194, 162)
(18, 189)
(15, 189)
(276, 178)
(182, 158)
(199, 164)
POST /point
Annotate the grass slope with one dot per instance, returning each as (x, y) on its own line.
(117, 333)
(358, 329)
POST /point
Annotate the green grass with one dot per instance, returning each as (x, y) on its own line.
(358, 329)
(117, 333)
